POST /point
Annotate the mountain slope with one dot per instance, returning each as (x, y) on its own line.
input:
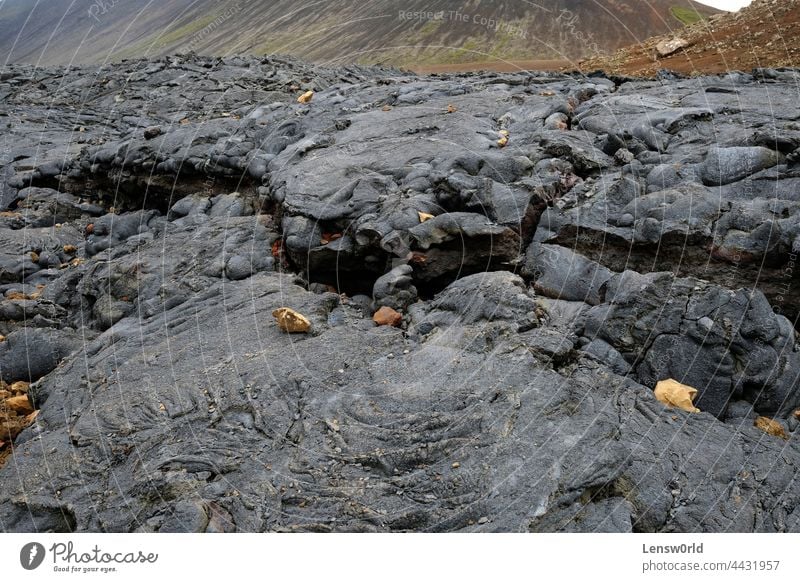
(430, 31)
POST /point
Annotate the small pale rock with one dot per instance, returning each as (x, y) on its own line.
(424, 216)
(456, 465)
(624, 156)
(290, 321)
(387, 316)
(306, 97)
(668, 47)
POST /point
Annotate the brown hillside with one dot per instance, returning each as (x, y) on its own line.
(765, 34)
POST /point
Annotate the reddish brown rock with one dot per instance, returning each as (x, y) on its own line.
(387, 316)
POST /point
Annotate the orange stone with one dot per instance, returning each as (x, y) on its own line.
(387, 316)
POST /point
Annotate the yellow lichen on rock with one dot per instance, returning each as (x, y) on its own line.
(673, 393)
(19, 404)
(770, 426)
(16, 414)
(17, 296)
(20, 387)
(503, 141)
(290, 321)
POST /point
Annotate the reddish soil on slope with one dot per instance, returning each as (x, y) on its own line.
(765, 34)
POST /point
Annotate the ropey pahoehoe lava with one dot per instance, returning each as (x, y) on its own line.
(434, 303)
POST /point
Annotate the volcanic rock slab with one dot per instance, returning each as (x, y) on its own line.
(628, 232)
